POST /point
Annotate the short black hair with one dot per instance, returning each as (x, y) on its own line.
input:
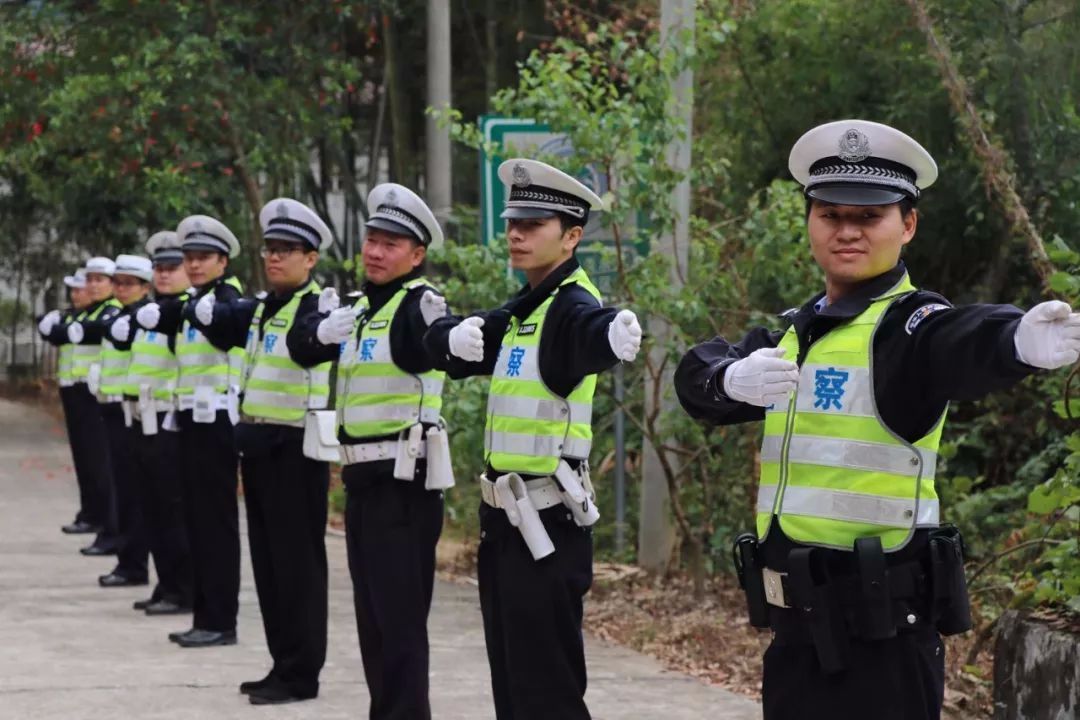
(906, 205)
(566, 222)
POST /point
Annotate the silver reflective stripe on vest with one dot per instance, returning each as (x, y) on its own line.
(374, 413)
(857, 398)
(852, 507)
(855, 454)
(537, 445)
(529, 408)
(154, 361)
(359, 385)
(188, 360)
(289, 376)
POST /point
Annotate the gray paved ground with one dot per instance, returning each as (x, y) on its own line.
(71, 650)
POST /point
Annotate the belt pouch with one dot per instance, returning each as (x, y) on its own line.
(874, 610)
(816, 599)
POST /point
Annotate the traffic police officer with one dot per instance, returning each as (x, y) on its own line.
(85, 519)
(131, 284)
(389, 400)
(849, 565)
(86, 333)
(149, 389)
(543, 350)
(285, 492)
(207, 392)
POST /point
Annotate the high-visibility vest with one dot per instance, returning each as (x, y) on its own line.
(277, 388)
(152, 364)
(375, 396)
(114, 368)
(65, 358)
(86, 354)
(831, 469)
(529, 428)
(202, 364)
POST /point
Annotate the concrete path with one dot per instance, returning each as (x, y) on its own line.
(72, 650)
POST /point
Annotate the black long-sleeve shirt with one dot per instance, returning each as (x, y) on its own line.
(57, 336)
(93, 330)
(126, 311)
(925, 354)
(574, 342)
(174, 310)
(232, 320)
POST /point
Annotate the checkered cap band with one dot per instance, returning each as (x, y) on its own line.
(294, 230)
(536, 196)
(403, 217)
(876, 172)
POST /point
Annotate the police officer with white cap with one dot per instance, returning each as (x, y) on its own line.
(86, 332)
(149, 390)
(543, 350)
(131, 285)
(285, 491)
(850, 566)
(52, 328)
(207, 392)
(389, 399)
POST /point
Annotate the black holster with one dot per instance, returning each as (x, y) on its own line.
(950, 609)
(816, 597)
(748, 567)
(874, 612)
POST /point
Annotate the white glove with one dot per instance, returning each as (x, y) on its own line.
(329, 300)
(624, 335)
(762, 378)
(337, 328)
(467, 340)
(432, 307)
(1048, 336)
(148, 315)
(121, 328)
(49, 322)
(75, 332)
(204, 309)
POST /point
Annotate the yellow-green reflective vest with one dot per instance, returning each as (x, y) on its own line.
(152, 364)
(65, 359)
(202, 364)
(277, 389)
(86, 354)
(529, 428)
(114, 368)
(375, 396)
(831, 470)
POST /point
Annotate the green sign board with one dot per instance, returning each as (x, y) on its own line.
(527, 138)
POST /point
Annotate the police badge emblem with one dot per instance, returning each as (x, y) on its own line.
(282, 210)
(854, 146)
(521, 176)
(391, 199)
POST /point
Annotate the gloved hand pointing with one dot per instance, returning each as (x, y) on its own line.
(1048, 336)
(49, 322)
(467, 340)
(624, 335)
(432, 306)
(75, 332)
(204, 309)
(762, 378)
(148, 315)
(337, 328)
(329, 300)
(121, 328)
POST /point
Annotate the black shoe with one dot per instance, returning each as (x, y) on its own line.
(175, 636)
(143, 604)
(277, 694)
(115, 579)
(250, 686)
(79, 527)
(206, 638)
(167, 607)
(97, 550)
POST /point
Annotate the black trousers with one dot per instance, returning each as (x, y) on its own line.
(132, 552)
(532, 616)
(285, 495)
(902, 678)
(82, 480)
(391, 529)
(156, 461)
(90, 454)
(208, 462)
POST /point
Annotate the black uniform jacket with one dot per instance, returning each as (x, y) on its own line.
(925, 354)
(126, 311)
(174, 310)
(93, 330)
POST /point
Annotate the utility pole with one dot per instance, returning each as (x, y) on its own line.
(656, 532)
(438, 175)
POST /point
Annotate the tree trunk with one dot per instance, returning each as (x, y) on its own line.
(402, 163)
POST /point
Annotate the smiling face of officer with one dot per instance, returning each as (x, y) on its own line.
(99, 286)
(170, 278)
(387, 256)
(539, 245)
(204, 266)
(856, 243)
(129, 289)
(287, 264)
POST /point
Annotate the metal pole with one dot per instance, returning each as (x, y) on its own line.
(620, 463)
(437, 178)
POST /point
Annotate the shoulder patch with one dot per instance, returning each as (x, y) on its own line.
(921, 314)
